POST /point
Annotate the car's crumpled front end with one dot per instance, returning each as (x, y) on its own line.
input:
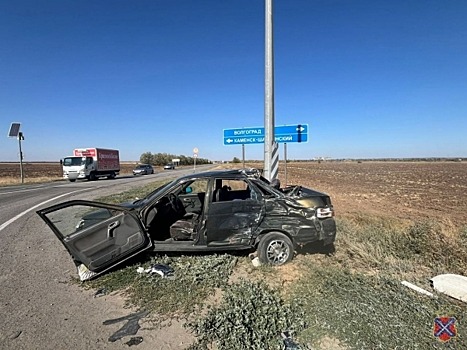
(317, 208)
(311, 199)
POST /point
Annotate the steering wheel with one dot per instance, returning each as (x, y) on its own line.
(174, 202)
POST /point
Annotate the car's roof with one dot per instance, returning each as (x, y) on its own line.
(225, 173)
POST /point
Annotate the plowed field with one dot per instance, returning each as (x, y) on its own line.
(407, 190)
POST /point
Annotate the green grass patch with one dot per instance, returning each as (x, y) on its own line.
(251, 315)
(195, 278)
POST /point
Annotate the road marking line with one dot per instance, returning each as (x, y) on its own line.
(5, 224)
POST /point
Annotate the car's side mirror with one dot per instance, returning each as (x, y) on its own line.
(188, 189)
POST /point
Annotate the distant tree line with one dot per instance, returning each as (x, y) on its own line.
(164, 158)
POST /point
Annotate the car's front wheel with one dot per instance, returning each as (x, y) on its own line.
(275, 248)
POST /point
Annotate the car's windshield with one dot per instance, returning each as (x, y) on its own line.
(158, 190)
(71, 161)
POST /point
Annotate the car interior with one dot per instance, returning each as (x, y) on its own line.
(176, 219)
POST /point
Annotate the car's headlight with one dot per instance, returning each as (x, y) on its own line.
(322, 213)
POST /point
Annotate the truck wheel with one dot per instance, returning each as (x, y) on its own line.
(111, 176)
(92, 177)
(72, 180)
(275, 248)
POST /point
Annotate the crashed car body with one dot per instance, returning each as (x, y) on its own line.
(211, 211)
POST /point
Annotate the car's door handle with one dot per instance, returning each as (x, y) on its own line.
(112, 226)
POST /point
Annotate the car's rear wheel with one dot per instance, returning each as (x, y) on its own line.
(275, 248)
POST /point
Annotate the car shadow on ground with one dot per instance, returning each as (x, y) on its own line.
(317, 248)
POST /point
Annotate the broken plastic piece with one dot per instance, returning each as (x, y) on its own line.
(100, 292)
(134, 341)
(256, 262)
(416, 288)
(84, 273)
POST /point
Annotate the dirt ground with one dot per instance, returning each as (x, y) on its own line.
(403, 190)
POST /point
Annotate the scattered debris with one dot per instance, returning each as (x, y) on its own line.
(417, 289)
(134, 341)
(15, 335)
(254, 259)
(256, 262)
(131, 327)
(100, 292)
(165, 271)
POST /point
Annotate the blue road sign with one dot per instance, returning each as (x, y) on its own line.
(283, 134)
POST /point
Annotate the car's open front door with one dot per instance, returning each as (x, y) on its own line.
(97, 235)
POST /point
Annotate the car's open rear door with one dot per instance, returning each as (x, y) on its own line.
(97, 235)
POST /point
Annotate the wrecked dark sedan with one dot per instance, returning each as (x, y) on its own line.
(211, 211)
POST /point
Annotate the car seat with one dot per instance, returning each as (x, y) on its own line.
(185, 228)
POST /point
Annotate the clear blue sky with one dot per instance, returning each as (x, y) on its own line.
(371, 78)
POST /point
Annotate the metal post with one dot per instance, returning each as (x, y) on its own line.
(271, 156)
(21, 137)
(243, 154)
(285, 160)
(194, 164)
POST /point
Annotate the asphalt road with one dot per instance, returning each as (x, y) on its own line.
(41, 306)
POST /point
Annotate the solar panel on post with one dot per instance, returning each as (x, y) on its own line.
(14, 130)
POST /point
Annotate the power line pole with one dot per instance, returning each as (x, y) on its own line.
(271, 154)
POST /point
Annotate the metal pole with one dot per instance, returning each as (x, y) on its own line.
(194, 164)
(243, 154)
(20, 137)
(269, 142)
(285, 160)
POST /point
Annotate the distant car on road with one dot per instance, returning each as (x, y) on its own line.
(143, 169)
(205, 212)
(169, 166)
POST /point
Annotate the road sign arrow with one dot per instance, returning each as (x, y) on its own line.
(301, 128)
(229, 140)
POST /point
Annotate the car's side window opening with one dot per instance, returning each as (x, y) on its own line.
(177, 214)
(233, 189)
(75, 218)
